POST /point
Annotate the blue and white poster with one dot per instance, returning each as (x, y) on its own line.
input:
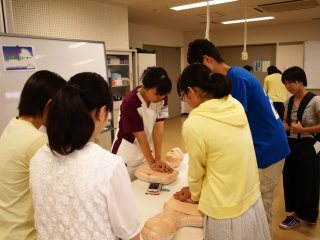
(257, 66)
(17, 58)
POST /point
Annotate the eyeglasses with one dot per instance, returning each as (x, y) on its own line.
(183, 96)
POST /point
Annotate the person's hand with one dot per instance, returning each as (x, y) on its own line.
(296, 127)
(162, 166)
(184, 195)
(286, 127)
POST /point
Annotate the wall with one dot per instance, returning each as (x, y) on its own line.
(140, 35)
(73, 19)
(262, 52)
(264, 35)
(261, 35)
(289, 54)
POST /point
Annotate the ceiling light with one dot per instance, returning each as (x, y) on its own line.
(200, 4)
(248, 20)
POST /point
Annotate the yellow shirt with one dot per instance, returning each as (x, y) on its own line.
(18, 143)
(274, 87)
(223, 173)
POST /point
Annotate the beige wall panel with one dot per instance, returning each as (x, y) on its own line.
(73, 19)
(263, 35)
(140, 35)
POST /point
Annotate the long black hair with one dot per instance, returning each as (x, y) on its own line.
(69, 123)
(37, 91)
(198, 75)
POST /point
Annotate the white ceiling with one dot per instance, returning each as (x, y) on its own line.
(157, 13)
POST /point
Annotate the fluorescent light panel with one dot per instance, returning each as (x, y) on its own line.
(200, 4)
(248, 20)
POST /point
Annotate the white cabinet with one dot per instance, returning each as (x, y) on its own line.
(122, 76)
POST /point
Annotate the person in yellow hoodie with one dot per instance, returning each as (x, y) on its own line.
(223, 174)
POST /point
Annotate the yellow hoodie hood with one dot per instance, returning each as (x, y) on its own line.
(226, 110)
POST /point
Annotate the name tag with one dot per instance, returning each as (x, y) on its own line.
(163, 112)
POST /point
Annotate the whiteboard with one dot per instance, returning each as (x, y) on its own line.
(65, 57)
(312, 63)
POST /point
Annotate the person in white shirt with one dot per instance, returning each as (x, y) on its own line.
(80, 190)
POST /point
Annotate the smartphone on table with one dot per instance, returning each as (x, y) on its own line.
(154, 188)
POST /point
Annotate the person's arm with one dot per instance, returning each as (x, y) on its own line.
(157, 136)
(298, 128)
(121, 203)
(184, 195)
(195, 147)
(145, 147)
(285, 124)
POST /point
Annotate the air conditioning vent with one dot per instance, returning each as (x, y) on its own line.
(289, 5)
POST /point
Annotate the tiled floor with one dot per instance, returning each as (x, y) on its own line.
(172, 138)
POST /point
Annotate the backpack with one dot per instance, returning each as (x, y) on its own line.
(302, 106)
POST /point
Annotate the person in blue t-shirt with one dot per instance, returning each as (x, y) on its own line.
(269, 137)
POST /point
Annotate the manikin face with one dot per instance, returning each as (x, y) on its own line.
(293, 87)
(152, 96)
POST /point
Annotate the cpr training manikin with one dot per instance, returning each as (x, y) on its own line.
(174, 157)
(176, 214)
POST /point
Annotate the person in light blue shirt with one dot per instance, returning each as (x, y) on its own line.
(269, 138)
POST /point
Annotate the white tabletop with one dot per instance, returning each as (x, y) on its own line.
(150, 205)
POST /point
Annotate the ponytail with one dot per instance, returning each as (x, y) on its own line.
(219, 84)
(69, 124)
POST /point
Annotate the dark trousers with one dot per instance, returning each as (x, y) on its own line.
(301, 179)
(279, 106)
